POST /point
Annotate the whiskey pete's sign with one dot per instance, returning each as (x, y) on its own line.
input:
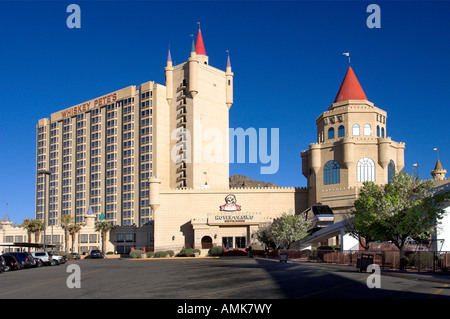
(89, 105)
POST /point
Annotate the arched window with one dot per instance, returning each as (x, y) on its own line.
(391, 171)
(382, 132)
(341, 131)
(330, 133)
(331, 173)
(367, 130)
(366, 170)
(355, 130)
(378, 130)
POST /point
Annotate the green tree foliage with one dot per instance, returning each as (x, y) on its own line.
(398, 212)
(284, 231)
(103, 227)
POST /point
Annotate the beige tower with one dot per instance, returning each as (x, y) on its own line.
(352, 147)
(199, 97)
(438, 173)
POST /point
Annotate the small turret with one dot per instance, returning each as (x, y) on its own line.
(229, 83)
(193, 71)
(169, 78)
(439, 172)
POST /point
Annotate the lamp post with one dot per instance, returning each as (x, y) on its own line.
(45, 195)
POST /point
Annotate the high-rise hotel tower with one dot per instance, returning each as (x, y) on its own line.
(101, 153)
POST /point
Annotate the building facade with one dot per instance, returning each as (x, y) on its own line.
(142, 157)
(352, 147)
(101, 153)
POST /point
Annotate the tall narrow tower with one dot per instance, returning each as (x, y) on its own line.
(201, 98)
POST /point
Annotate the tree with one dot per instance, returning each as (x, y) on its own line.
(28, 225)
(66, 221)
(399, 211)
(73, 229)
(284, 231)
(37, 227)
(103, 227)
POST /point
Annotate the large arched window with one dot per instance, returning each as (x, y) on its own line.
(382, 132)
(378, 130)
(367, 130)
(366, 170)
(391, 171)
(341, 131)
(355, 130)
(331, 173)
(330, 133)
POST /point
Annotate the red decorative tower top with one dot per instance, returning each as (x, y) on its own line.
(350, 88)
(199, 46)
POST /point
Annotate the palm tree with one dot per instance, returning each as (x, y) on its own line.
(104, 227)
(73, 229)
(38, 225)
(28, 224)
(66, 220)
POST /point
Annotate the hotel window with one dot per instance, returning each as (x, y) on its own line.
(378, 130)
(366, 170)
(330, 133)
(341, 131)
(382, 132)
(367, 130)
(331, 173)
(355, 130)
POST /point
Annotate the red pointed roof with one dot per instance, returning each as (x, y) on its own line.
(199, 46)
(350, 88)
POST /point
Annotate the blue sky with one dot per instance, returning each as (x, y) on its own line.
(286, 57)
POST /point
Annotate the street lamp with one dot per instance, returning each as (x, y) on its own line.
(45, 195)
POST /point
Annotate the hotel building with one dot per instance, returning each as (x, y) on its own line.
(142, 158)
(101, 153)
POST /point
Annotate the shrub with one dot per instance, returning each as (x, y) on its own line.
(188, 252)
(171, 253)
(216, 251)
(150, 254)
(161, 254)
(136, 253)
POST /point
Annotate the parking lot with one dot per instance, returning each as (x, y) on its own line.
(198, 278)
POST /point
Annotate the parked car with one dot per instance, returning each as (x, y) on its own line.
(75, 255)
(24, 258)
(2, 264)
(59, 259)
(45, 257)
(95, 253)
(12, 263)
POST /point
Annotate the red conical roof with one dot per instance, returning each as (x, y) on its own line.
(350, 88)
(199, 46)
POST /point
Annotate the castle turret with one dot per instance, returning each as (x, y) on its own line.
(438, 173)
(229, 85)
(169, 78)
(193, 71)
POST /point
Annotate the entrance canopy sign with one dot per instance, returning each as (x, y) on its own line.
(234, 218)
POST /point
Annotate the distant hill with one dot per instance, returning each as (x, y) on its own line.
(237, 181)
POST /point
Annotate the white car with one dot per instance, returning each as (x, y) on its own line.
(45, 257)
(58, 258)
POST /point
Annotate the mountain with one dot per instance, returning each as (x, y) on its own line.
(237, 181)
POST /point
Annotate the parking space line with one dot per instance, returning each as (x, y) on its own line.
(437, 292)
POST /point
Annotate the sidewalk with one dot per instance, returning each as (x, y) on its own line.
(429, 276)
